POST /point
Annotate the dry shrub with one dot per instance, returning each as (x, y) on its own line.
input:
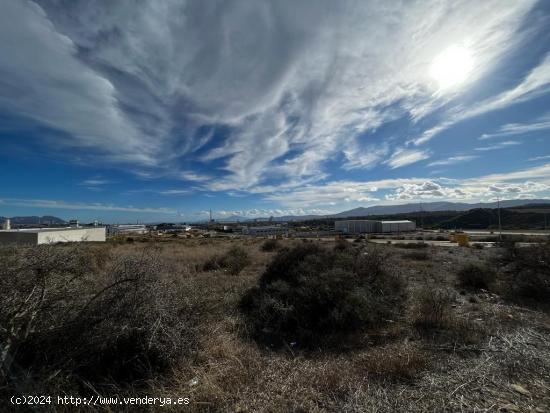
(342, 245)
(475, 276)
(270, 245)
(317, 297)
(434, 318)
(433, 308)
(233, 261)
(418, 255)
(412, 245)
(529, 282)
(60, 312)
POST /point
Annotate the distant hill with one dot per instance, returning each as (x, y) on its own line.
(478, 218)
(434, 206)
(387, 210)
(34, 220)
(511, 218)
(415, 207)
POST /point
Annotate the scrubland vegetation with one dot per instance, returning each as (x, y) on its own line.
(280, 326)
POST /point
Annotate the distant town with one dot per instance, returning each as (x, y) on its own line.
(528, 219)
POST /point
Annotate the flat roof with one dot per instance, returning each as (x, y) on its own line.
(396, 222)
(357, 220)
(35, 230)
(375, 220)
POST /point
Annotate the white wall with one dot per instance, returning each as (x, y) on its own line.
(72, 235)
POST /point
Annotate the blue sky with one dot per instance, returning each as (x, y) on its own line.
(158, 111)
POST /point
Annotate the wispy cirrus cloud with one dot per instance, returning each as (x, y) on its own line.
(453, 160)
(499, 145)
(539, 124)
(536, 83)
(116, 79)
(95, 182)
(403, 157)
(59, 204)
(540, 158)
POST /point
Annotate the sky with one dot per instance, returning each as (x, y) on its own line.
(148, 111)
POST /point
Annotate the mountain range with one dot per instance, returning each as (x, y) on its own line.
(34, 220)
(355, 213)
(415, 207)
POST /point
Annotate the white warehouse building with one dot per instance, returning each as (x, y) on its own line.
(127, 229)
(37, 236)
(365, 226)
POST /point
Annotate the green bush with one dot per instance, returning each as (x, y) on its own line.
(315, 296)
(475, 276)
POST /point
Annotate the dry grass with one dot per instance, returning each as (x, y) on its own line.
(401, 361)
(452, 352)
(435, 318)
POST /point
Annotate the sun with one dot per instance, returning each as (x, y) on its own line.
(452, 67)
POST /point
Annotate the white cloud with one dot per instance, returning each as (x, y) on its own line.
(499, 145)
(536, 173)
(57, 204)
(195, 177)
(539, 158)
(339, 195)
(335, 193)
(427, 189)
(364, 157)
(265, 212)
(95, 182)
(142, 81)
(542, 123)
(534, 84)
(43, 80)
(453, 160)
(175, 191)
(402, 157)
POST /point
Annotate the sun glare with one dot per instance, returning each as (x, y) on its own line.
(451, 67)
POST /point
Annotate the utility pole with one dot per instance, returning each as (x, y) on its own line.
(499, 225)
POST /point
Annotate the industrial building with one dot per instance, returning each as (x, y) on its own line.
(127, 229)
(265, 231)
(365, 226)
(357, 226)
(397, 226)
(37, 236)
